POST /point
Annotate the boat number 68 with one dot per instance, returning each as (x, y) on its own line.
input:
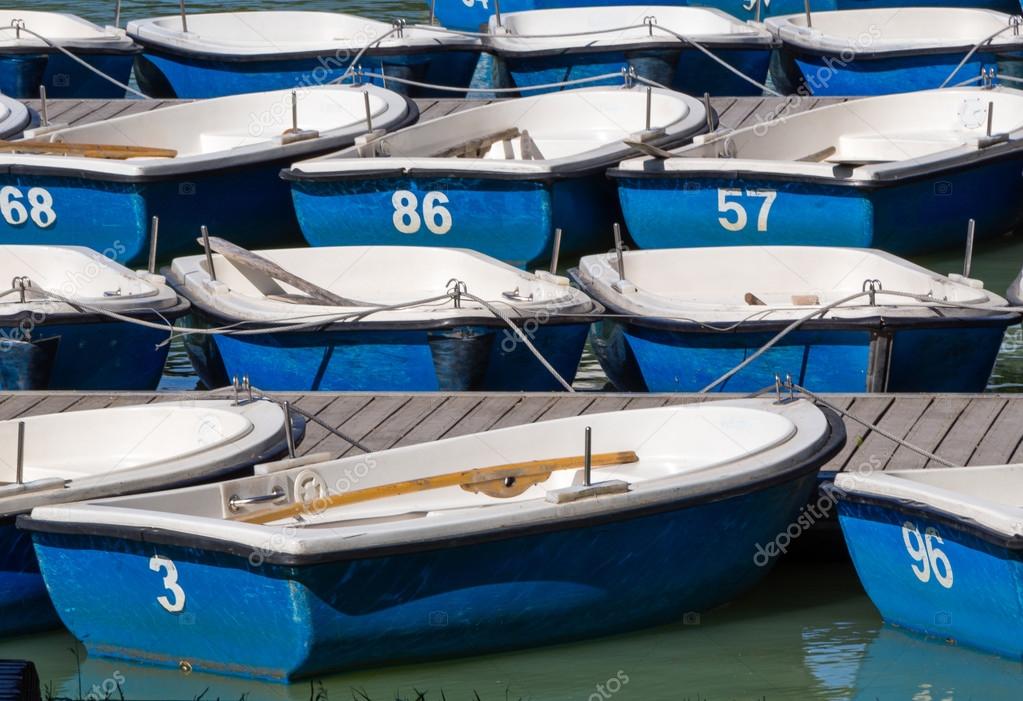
(928, 559)
(408, 221)
(17, 208)
(176, 602)
(734, 217)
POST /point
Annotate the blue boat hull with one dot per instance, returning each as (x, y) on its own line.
(686, 70)
(250, 206)
(96, 355)
(903, 217)
(472, 14)
(510, 220)
(21, 74)
(958, 586)
(175, 75)
(459, 358)
(640, 358)
(24, 602)
(462, 599)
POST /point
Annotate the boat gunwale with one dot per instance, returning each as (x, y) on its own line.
(148, 45)
(797, 466)
(768, 43)
(179, 308)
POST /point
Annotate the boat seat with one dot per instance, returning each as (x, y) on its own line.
(859, 149)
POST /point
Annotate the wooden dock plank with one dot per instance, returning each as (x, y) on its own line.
(528, 410)
(929, 432)
(367, 419)
(867, 408)
(568, 405)
(441, 420)
(1004, 440)
(335, 414)
(972, 425)
(484, 415)
(413, 411)
(877, 450)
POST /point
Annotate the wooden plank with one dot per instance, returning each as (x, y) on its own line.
(414, 410)
(868, 408)
(18, 405)
(646, 403)
(876, 451)
(528, 410)
(740, 112)
(55, 404)
(484, 415)
(342, 409)
(367, 419)
(602, 405)
(973, 424)
(567, 405)
(928, 432)
(445, 417)
(80, 112)
(1004, 440)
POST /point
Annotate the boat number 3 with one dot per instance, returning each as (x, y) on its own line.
(470, 3)
(407, 220)
(39, 206)
(928, 559)
(175, 602)
(734, 217)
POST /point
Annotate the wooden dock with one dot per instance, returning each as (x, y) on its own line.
(978, 429)
(733, 112)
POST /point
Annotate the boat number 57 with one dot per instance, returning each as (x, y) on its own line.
(733, 213)
(174, 600)
(408, 221)
(36, 204)
(928, 559)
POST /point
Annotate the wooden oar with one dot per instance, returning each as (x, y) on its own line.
(498, 481)
(247, 259)
(111, 151)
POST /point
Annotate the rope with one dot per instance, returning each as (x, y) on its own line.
(364, 49)
(576, 81)
(871, 426)
(972, 51)
(309, 417)
(70, 55)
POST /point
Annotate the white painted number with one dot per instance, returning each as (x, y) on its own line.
(407, 220)
(735, 209)
(470, 3)
(39, 210)
(170, 583)
(929, 558)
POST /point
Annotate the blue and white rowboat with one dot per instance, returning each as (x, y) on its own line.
(498, 179)
(473, 544)
(226, 53)
(57, 325)
(385, 319)
(109, 452)
(28, 61)
(682, 318)
(549, 46)
(904, 173)
(213, 163)
(473, 14)
(940, 551)
(896, 49)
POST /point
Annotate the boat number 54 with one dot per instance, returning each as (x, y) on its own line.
(408, 221)
(174, 600)
(36, 204)
(733, 214)
(928, 559)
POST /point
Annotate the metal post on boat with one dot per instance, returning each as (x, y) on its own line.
(618, 251)
(19, 470)
(294, 111)
(117, 13)
(154, 231)
(587, 456)
(184, 20)
(209, 253)
(556, 252)
(44, 118)
(756, 16)
(709, 111)
(809, 19)
(433, 12)
(497, 12)
(288, 435)
(990, 116)
(971, 228)
(649, 104)
(369, 113)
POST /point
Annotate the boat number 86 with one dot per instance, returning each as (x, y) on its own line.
(407, 219)
(36, 204)
(733, 214)
(928, 559)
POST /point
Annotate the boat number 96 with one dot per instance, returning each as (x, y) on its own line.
(734, 216)
(36, 204)
(175, 602)
(927, 558)
(408, 221)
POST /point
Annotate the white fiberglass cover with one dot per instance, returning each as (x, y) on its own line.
(538, 30)
(684, 453)
(284, 32)
(787, 282)
(225, 131)
(871, 139)
(984, 495)
(561, 131)
(375, 276)
(14, 117)
(61, 29)
(78, 274)
(883, 30)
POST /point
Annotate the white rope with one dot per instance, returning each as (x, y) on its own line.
(70, 55)
(972, 51)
